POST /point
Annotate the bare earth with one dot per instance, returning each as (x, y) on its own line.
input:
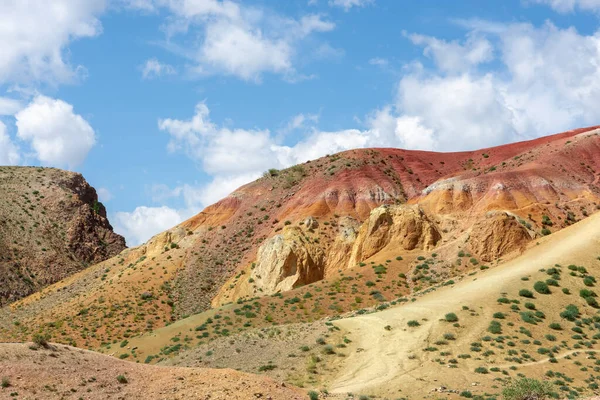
(70, 373)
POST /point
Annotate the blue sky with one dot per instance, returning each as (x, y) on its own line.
(166, 106)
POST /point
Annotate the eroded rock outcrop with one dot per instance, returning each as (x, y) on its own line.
(405, 227)
(286, 261)
(497, 234)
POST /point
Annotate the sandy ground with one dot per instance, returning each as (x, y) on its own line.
(70, 373)
(379, 362)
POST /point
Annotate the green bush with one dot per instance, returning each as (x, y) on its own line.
(5, 382)
(41, 339)
(122, 379)
(527, 389)
(499, 315)
(541, 287)
(530, 306)
(481, 370)
(312, 395)
(526, 293)
(571, 313)
(451, 317)
(413, 323)
(556, 326)
(495, 327)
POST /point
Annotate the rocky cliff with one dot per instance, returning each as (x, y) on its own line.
(51, 226)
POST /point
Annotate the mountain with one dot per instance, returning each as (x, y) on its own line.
(374, 213)
(51, 226)
(383, 272)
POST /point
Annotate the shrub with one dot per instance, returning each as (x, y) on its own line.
(41, 339)
(320, 340)
(451, 317)
(592, 302)
(267, 367)
(495, 327)
(527, 388)
(556, 326)
(449, 336)
(530, 306)
(588, 281)
(122, 379)
(312, 395)
(528, 317)
(571, 313)
(481, 370)
(5, 382)
(328, 349)
(541, 287)
(413, 323)
(526, 293)
(587, 293)
(499, 315)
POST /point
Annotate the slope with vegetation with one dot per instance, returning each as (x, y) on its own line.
(257, 280)
(51, 226)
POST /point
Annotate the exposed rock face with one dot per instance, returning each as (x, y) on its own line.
(341, 249)
(497, 234)
(404, 227)
(286, 261)
(51, 226)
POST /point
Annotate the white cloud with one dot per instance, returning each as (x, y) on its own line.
(382, 62)
(348, 4)
(567, 6)
(9, 106)
(548, 80)
(9, 153)
(57, 135)
(104, 195)
(229, 38)
(453, 56)
(34, 35)
(144, 222)
(246, 53)
(153, 68)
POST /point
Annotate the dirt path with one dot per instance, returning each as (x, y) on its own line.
(379, 358)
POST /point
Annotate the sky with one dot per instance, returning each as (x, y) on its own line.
(167, 106)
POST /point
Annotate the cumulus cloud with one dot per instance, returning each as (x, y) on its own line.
(348, 4)
(454, 56)
(34, 36)
(153, 68)
(547, 80)
(230, 38)
(9, 153)
(567, 6)
(57, 135)
(144, 222)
